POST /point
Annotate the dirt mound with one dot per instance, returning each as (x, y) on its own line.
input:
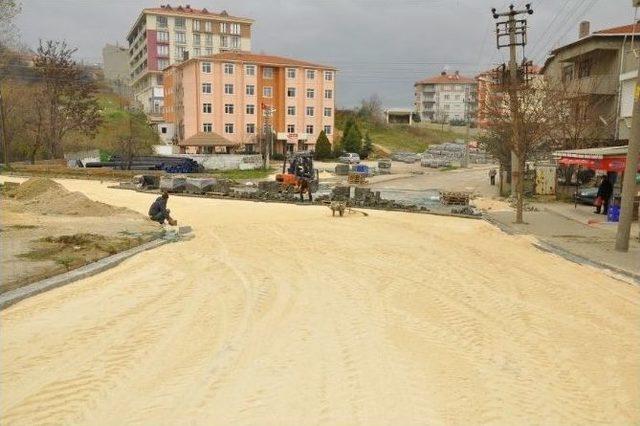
(35, 187)
(48, 197)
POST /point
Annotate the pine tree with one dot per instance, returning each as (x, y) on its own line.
(368, 146)
(323, 147)
(352, 140)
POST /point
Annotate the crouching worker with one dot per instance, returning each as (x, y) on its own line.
(158, 211)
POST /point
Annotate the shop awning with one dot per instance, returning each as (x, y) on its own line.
(610, 159)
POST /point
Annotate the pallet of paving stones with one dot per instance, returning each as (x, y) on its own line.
(356, 178)
(454, 198)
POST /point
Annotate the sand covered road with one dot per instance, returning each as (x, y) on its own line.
(277, 314)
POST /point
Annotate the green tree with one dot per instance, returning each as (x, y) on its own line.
(367, 147)
(128, 134)
(352, 140)
(323, 147)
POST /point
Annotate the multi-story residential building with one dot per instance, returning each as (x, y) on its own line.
(115, 60)
(229, 101)
(446, 97)
(166, 35)
(601, 68)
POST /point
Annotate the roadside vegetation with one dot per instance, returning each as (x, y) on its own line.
(381, 138)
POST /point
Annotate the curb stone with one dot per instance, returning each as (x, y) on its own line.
(9, 298)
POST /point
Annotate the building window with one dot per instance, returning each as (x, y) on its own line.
(291, 73)
(180, 37)
(208, 51)
(457, 97)
(208, 27)
(235, 42)
(180, 53)
(310, 93)
(327, 130)
(161, 21)
(196, 25)
(251, 128)
(235, 28)
(457, 87)
(163, 130)
(163, 50)
(208, 39)
(228, 69)
(327, 112)
(250, 69)
(162, 64)
(310, 111)
(251, 109)
(310, 129)
(228, 128)
(228, 89)
(267, 73)
(180, 22)
(291, 110)
(207, 127)
(267, 91)
(224, 27)
(206, 67)
(206, 108)
(228, 108)
(311, 74)
(328, 75)
(206, 88)
(196, 39)
(291, 128)
(251, 90)
(584, 68)
(328, 94)
(224, 41)
(163, 36)
(291, 92)
(446, 97)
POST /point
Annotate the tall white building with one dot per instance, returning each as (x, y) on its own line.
(166, 35)
(446, 97)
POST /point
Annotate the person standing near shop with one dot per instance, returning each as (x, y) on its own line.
(605, 190)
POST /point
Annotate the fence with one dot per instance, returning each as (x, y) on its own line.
(226, 161)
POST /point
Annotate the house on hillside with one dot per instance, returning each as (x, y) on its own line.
(598, 70)
(446, 97)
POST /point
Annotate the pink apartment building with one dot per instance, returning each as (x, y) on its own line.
(226, 102)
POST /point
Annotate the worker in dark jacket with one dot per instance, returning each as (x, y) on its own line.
(159, 212)
(605, 190)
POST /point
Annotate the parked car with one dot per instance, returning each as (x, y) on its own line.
(586, 195)
(349, 158)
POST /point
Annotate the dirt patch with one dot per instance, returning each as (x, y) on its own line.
(40, 234)
(48, 197)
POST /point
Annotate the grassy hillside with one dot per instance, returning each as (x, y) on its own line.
(397, 137)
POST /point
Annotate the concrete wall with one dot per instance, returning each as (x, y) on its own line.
(226, 161)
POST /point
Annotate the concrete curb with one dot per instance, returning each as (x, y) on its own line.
(572, 257)
(9, 298)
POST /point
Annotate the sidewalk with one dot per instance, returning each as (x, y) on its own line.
(577, 234)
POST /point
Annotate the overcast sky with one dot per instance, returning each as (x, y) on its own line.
(379, 46)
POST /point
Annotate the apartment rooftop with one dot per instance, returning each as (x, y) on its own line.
(445, 78)
(246, 57)
(187, 10)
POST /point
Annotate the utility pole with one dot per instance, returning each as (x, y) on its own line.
(3, 134)
(516, 30)
(268, 124)
(630, 171)
(467, 116)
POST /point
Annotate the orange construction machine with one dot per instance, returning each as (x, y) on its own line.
(299, 174)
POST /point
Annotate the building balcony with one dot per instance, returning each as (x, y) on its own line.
(593, 85)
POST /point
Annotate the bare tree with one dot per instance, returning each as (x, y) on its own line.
(68, 95)
(534, 124)
(372, 110)
(9, 9)
(577, 115)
